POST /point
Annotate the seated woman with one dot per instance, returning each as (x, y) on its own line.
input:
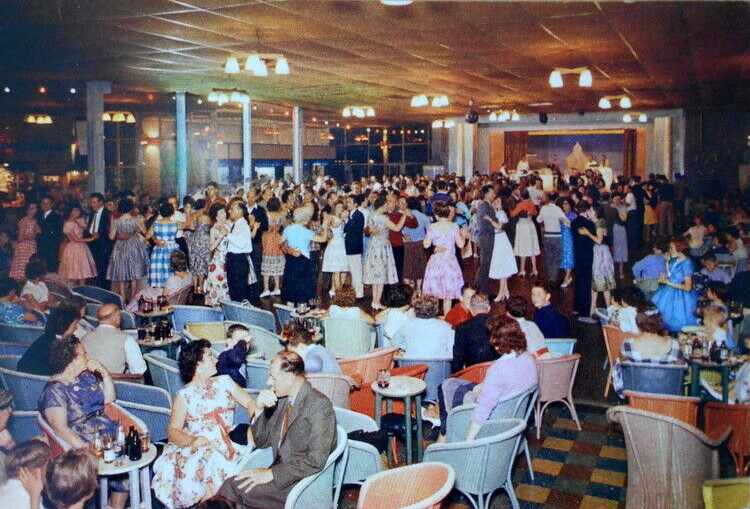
(651, 345)
(624, 308)
(177, 281)
(317, 358)
(25, 466)
(201, 452)
(425, 336)
(70, 481)
(515, 371)
(12, 309)
(37, 360)
(398, 310)
(35, 292)
(73, 400)
(344, 305)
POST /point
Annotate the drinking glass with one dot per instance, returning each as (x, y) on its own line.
(145, 441)
(384, 378)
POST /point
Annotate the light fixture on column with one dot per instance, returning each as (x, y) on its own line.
(38, 119)
(585, 78)
(628, 117)
(358, 111)
(447, 124)
(282, 66)
(625, 102)
(605, 103)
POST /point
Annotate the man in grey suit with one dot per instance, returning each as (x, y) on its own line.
(295, 420)
(486, 239)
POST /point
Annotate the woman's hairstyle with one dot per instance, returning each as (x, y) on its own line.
(71, 478)
(62, 352)
(273, 204)
(400, 295)
(200, 204)
(441, 208)
(35, 269)
(302, 214)
(425, 306)
(166, 209)
(125, 206)
(75, 304)
(296, 333)
(61, 319)
(188, 200)
(649, 319)
(178, 261)
(213, 211)
(681, 244)
(379, 201)
(506, 335)
(345, 297)
(72, 207)
(190, 355)
(517, 306)
(30, 454)
(719, 289)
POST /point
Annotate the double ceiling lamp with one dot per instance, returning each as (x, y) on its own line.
(222, 96)
(605, 102)
(257, 64)
(447, 124)
(38, 119)
(504, 116)
(358, 111)
(396, 3)
(628, 117)
(437, 101)
(118, 116)
(585, 78)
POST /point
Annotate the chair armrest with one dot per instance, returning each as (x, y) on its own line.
(353, 384)
(356, 380)
(128, 377)
(715, 439)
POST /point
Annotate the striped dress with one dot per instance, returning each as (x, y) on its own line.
(159, 269)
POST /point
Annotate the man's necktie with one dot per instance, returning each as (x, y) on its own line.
(286, 422)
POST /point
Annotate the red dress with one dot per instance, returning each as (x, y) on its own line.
(26, 246)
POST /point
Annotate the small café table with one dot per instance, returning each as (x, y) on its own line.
(725, 368)
(138, 474)
(409, 389)
(169, 345)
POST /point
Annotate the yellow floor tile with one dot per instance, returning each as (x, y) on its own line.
(547, 466)
(615, 453)
(566, 424)
(531, 493)
(608, 477)
(590, 502)
(560, 444)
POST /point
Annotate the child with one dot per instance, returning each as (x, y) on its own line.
(25, 465)
(548, 319)
(715, 324)
(232, 359)
(646, 272)
(626, 302)
(710, 272)
(696, 234)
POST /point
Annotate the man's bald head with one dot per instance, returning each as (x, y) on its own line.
(109, 314)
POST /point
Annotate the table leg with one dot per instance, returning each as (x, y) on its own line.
(146, 487)
(378, 408)
(725, 384)
(103, 495)
(407, 405)
(695, 380)
(135, 491)
(420, 441)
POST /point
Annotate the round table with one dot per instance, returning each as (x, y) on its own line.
(154, 315)
(169, 344)
(406, 388)
(140, 485)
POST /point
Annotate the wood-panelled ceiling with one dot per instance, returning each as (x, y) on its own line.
(661, 54)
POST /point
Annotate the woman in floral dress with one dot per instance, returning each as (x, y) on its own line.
(272, 265)
(198, 245)
(443, 278)
(28, 229)
(164, 232)
(200, 454)
(76, 262)
(380, 266)
(217, 288)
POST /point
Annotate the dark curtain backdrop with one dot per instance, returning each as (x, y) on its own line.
(629, 152)
(516, 146)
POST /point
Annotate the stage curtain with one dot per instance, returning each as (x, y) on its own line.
(630, 153)
(516, 146)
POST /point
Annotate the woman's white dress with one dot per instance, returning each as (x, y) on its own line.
(527, 242)
(334, 258)
(503, 262)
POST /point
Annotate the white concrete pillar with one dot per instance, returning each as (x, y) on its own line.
(247, 146)
(298, 140)
(469, 146)
(95, 91)
(181, 132)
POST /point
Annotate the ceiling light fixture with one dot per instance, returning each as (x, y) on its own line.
(436, 100)
(118, 116)
(358, 111)
(38, 119)
(223, 96)
(642, 118)
(6, 90)
(232, 66)
(627, 118)
(605, 103)
(257, 64)
(625, 102)
(282, 66)
(396, 3)
(585, 78)
(504, 116)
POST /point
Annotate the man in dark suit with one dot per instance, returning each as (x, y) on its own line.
(471, 344)
(298, 423)
(353, 242)
(98, 229)
(48, 242)
(261, 218)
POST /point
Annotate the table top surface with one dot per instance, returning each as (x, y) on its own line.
(155, 313)
(312, 313)
(150, 342)
(115, 468)
(401, 386)
(729, 363)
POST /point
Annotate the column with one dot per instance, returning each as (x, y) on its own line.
(247, 140)
(95, 91)
(469, 149)
(298, 140)
(181, 133)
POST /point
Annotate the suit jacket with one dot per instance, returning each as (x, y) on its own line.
(261, 217)
(101, 247)
(48, 242)
(471, 344)
(353, 231)
(309, 440)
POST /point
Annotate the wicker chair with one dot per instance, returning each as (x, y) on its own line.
(236, 312)
(682, 408)
(420, 486)
(613, 340)
(335, 387)
(24, 387)
(654, 378)
(364, 459)
(22, 425)
(348, 337)
(164, 372)
(561, 346)
(438, 370)
(96, 295)
(475, 373)
(184, 314)
(364, 370)
(718, 417)
(21, 334)
(668, 460)
(556, 378)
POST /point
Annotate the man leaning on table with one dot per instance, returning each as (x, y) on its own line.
(298, 423)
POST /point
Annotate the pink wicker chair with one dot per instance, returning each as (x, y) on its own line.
(335, 387)
(556, 377)
(668, 460)
(613, 340)
(364, 370)
(420, 486)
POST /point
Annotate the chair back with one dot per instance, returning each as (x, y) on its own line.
(283, 313)
(22, 334)
(727, 493)
(348, 337)
(717, 417)
(484, 464)
(556, 377)
(24, 387)
(181, 297)
(437, 371)
(92, 309)
(366, 367)
(420, 486)
(475, 373)
(16, 349)
(265, 342)
(127, 320)
(155, 418)
(237, 312)
(613, 340)
(215, 332)
(364, 458)
(22, 425)
(561, 346)
(96, 295)
(321, 490)
(668, 460)
(256, 373)
(335, 387)
(143, 394)
(164, 373)
(682, 408)
(57, 288)
(183, 314)
(654, 378)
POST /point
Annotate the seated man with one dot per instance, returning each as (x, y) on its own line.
(472, 345)
(460, 313)
(112, 347)
(548, 319)
(295, 420)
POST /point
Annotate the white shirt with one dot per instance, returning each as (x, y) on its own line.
(425, 338)
(339, 312)
(534, 336)
(13, 494)
(630, 200)
(240, 239)
(551, 216)
(179, 217)
(95, 223)
(535, 195)
(39, 291)
(522, 166)
(47, 213)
